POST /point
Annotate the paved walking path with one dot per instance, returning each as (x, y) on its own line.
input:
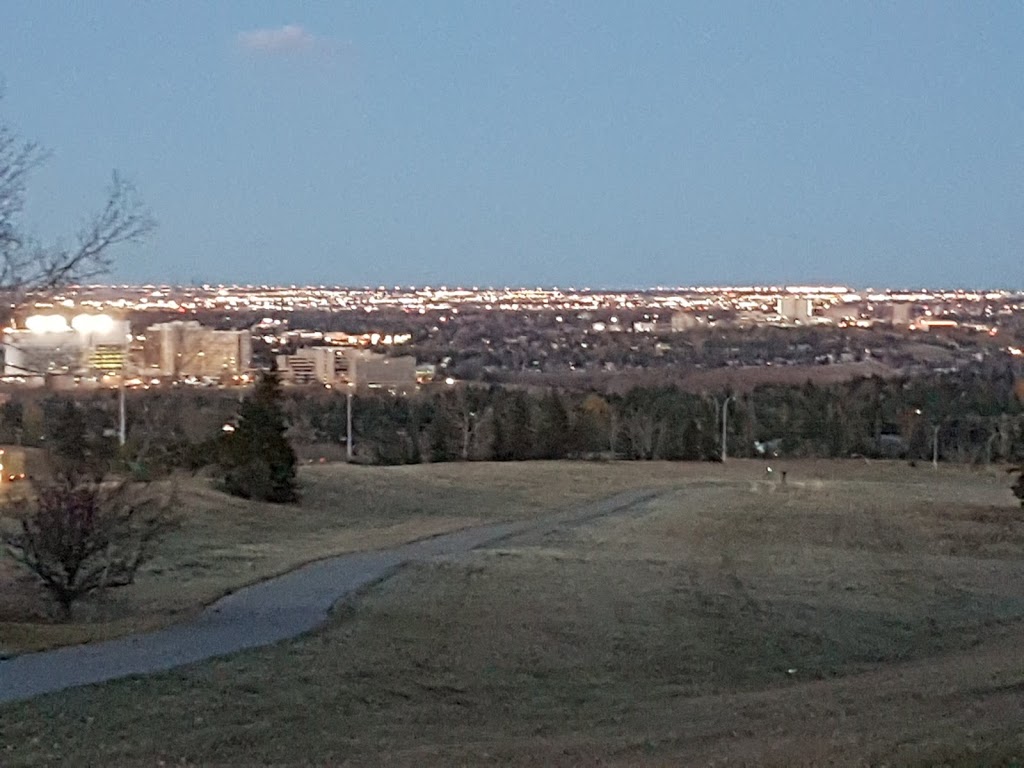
(264, 613)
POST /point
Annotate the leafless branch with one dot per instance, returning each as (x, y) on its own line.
(29, 268)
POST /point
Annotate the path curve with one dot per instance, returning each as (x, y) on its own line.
(268, 612)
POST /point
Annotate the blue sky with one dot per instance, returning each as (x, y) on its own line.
(534, 143)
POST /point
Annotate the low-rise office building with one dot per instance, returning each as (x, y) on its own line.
(348, 366)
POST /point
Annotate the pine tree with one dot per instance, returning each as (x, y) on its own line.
(513, 428)
(590, 427)
(257, 460)
(443, 438)
(553, 430)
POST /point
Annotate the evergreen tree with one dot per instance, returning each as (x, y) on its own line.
(513, 438)
(256, 458)
(589, 431)
(553, 428)
(443, 438)
(691, 442)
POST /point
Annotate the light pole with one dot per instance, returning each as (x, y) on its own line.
(725, 424)
(122, 426)
(348, 422)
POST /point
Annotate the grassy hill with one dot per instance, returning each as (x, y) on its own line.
(857, 613)
(224, 542)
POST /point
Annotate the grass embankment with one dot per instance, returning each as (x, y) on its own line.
(858, 614)
(224, 543)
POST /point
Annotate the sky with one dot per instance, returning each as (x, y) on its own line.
(574, 143)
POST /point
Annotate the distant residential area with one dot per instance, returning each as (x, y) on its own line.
(397, 339)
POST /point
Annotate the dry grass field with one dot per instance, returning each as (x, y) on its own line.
(859, 615)
(224, 543)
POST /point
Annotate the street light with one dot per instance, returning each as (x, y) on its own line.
(122, 407)
(348, 422)
(122, 413)
(725, 423)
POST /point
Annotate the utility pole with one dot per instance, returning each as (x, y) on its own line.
(348, 420)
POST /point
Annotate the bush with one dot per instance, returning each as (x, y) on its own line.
(80, 533)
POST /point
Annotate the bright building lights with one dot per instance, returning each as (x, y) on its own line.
(84, 324)
(47, 324)
(92, 323)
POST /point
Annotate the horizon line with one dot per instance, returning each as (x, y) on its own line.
(776, 287)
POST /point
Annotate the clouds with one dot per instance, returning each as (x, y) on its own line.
(289, 40)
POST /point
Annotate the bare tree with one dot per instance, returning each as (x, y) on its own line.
(80, 534)
(29, 268)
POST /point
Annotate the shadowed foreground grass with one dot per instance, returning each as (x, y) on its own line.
(861, 613)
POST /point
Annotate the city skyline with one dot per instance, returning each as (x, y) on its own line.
(160, 336)
(578, 144)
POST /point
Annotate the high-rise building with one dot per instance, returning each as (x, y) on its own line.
(186, 348)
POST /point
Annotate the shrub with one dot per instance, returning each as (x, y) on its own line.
(80, 533)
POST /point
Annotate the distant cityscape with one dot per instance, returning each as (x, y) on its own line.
(151, 335)
(756, 303)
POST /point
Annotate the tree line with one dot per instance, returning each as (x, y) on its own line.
(967, 417)
(975, 417)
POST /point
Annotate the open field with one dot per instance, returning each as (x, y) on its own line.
(861, 614)
(224, 543)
